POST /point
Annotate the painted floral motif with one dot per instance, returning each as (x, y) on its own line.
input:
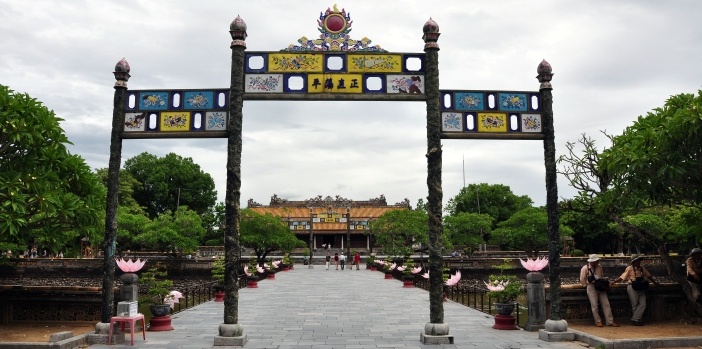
(531, 123)
(134, 121)
(154, 100)
(405, 84)
(469, 101)
(452, 122)
(175, 121)
(216, 120)
(491, 121)
(198, 101)
(267, 84)
(300, 62)
(513, 102)
(374, 63)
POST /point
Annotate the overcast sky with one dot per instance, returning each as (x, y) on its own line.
(613, 61)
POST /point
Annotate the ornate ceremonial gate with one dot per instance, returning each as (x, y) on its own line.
(333, 67)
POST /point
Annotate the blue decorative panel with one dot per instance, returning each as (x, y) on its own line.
(153, 100)
(198, 100)
(512, 101)
(451, 122)
(469, 101)
(493, 112)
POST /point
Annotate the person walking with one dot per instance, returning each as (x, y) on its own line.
(694, 273)
(589, 273)
(336, 260)
(328, 258)
(637, 277)
(357, 260)
(342, 260)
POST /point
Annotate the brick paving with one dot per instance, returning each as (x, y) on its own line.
(335, 309)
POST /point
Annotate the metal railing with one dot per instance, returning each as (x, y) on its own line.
(473, 297)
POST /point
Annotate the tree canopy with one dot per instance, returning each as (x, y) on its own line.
(169, 182)
(47, 195)
(177, 233)
(526, 230)
(398, 231)
(659, 157)
(495, 200)
(265, 233)
(467, 229)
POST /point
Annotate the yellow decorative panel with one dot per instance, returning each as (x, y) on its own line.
(375, 63)
(175, 121)
(295, 62)
(492, 122)
(335, 83)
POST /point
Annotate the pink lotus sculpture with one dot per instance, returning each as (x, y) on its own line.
(454, 279)
(129, 266)
(402, 268)
(260, 270)
(276, 263)
(172, 298)
(534, 264)
(246, 270)
(393, 266)
(425, 275)
(416, 270)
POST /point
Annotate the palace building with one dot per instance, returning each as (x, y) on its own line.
(335, 223)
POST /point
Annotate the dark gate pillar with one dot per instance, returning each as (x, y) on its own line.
(231, 333)
(108, 247)
(435, 331)
(555, 328)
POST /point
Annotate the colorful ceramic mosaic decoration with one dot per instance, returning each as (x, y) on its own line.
(490, 112)
(176, 111)
(334, 26)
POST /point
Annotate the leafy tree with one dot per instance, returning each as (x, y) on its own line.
(126, 187)
(495, 200)
(398, 231)
(659, 157)
(655, 161)
(178, 233)
(214, 223)
(170, 182)
(526, 230)
(467, 229)
(47, 195)
(265, 233)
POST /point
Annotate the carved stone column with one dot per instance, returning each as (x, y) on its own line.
(435, 331)
(231, 333)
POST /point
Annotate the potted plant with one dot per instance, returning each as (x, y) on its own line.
(218, 276)
(287, 262)
(160, 297)
(407, 275)
(369, 263)
(251, 274)
(504, 290)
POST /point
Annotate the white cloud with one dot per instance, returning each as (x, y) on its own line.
(613, 61)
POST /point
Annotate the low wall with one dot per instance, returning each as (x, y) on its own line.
(663, 302)
(50, 303)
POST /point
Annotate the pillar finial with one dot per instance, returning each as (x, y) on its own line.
(545, 75)
(431, 34)
(122, 73)
(238, 32)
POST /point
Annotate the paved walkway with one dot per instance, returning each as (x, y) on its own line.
(325, 309)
